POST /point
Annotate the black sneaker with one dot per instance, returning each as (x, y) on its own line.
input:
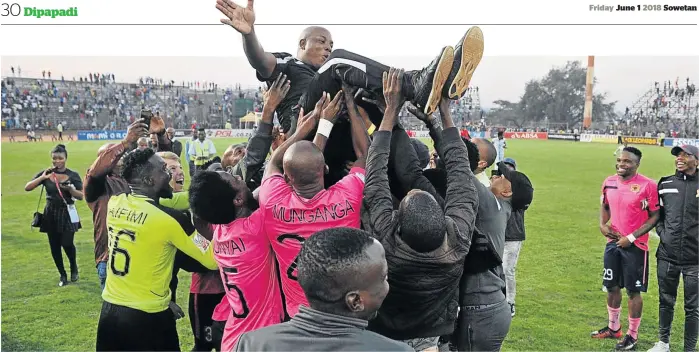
(606, 333)
(426, 85)
(512, 309)
(63, 281)
(467, 56)
(74, 276)
(627, 344)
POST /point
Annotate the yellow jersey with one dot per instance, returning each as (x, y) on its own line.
(143, 239)
(179, 201)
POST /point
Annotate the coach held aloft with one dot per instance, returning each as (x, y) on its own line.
(677, 252)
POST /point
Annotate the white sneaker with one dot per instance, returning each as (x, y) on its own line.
(660, 347)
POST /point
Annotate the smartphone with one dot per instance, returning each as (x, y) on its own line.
(146, 115)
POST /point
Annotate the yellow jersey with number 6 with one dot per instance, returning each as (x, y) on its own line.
(143, 239)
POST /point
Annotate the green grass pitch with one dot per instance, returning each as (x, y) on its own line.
(559, 297)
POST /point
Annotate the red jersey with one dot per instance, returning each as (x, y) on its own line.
(290, 220)
(247, 268)
(206, 283)
(629, 203)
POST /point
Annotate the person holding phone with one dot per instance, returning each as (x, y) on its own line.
(60, 221)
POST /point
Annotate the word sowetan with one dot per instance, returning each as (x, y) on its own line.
(53, 13)
(323, 213)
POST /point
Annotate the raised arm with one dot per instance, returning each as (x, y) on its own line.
(431, 123)
(377, 194)
(360, 136)
(242, 19)
(157, 128)
(306, 123)
(94, 186)
(328, 117)
(261, 140)
(461, 201)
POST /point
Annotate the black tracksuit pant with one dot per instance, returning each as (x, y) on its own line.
(668, 281)
(357, 71)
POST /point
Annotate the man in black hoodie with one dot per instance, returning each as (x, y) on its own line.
(425, 244)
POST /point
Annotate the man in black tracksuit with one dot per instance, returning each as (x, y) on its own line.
(425, 245)
(677, 252)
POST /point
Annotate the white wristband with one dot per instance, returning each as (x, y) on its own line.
(631, 238)
(324, 127)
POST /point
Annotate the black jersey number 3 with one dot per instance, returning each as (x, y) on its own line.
(123, 252)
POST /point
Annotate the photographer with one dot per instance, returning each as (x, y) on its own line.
(60, 218)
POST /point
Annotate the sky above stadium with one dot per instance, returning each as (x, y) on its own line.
(624, 79)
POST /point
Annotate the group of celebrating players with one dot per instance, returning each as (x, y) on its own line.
(298, 252)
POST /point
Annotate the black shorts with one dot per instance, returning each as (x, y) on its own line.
(201, 309)
(625, 268)
(126, 329)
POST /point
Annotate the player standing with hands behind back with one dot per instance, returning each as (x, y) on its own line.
(630, 201)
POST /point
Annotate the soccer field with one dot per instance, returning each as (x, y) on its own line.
(559, 297)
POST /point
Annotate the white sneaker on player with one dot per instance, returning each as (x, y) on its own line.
(660, 347)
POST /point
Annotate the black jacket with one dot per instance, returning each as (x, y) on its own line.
(251, 167)
(679, 212)
(312, 330)
(515, 226)
(177, 148)
(424, 287)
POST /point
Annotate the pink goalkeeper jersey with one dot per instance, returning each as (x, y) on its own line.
(249, 275)
(629, 203)
(290, 220)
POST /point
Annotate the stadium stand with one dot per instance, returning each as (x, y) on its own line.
(665, 106)
(98, 102)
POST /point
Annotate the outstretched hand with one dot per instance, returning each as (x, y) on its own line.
(392, 90)
(379, 102)
(240, 18)
(420, 115)
(157, 125)
(306, 123)
(331, 108)
(273, 96)
(278, 137)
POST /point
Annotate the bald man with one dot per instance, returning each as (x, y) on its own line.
(317, 69)
(296, 204)
(176, 145)
(487, 153)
